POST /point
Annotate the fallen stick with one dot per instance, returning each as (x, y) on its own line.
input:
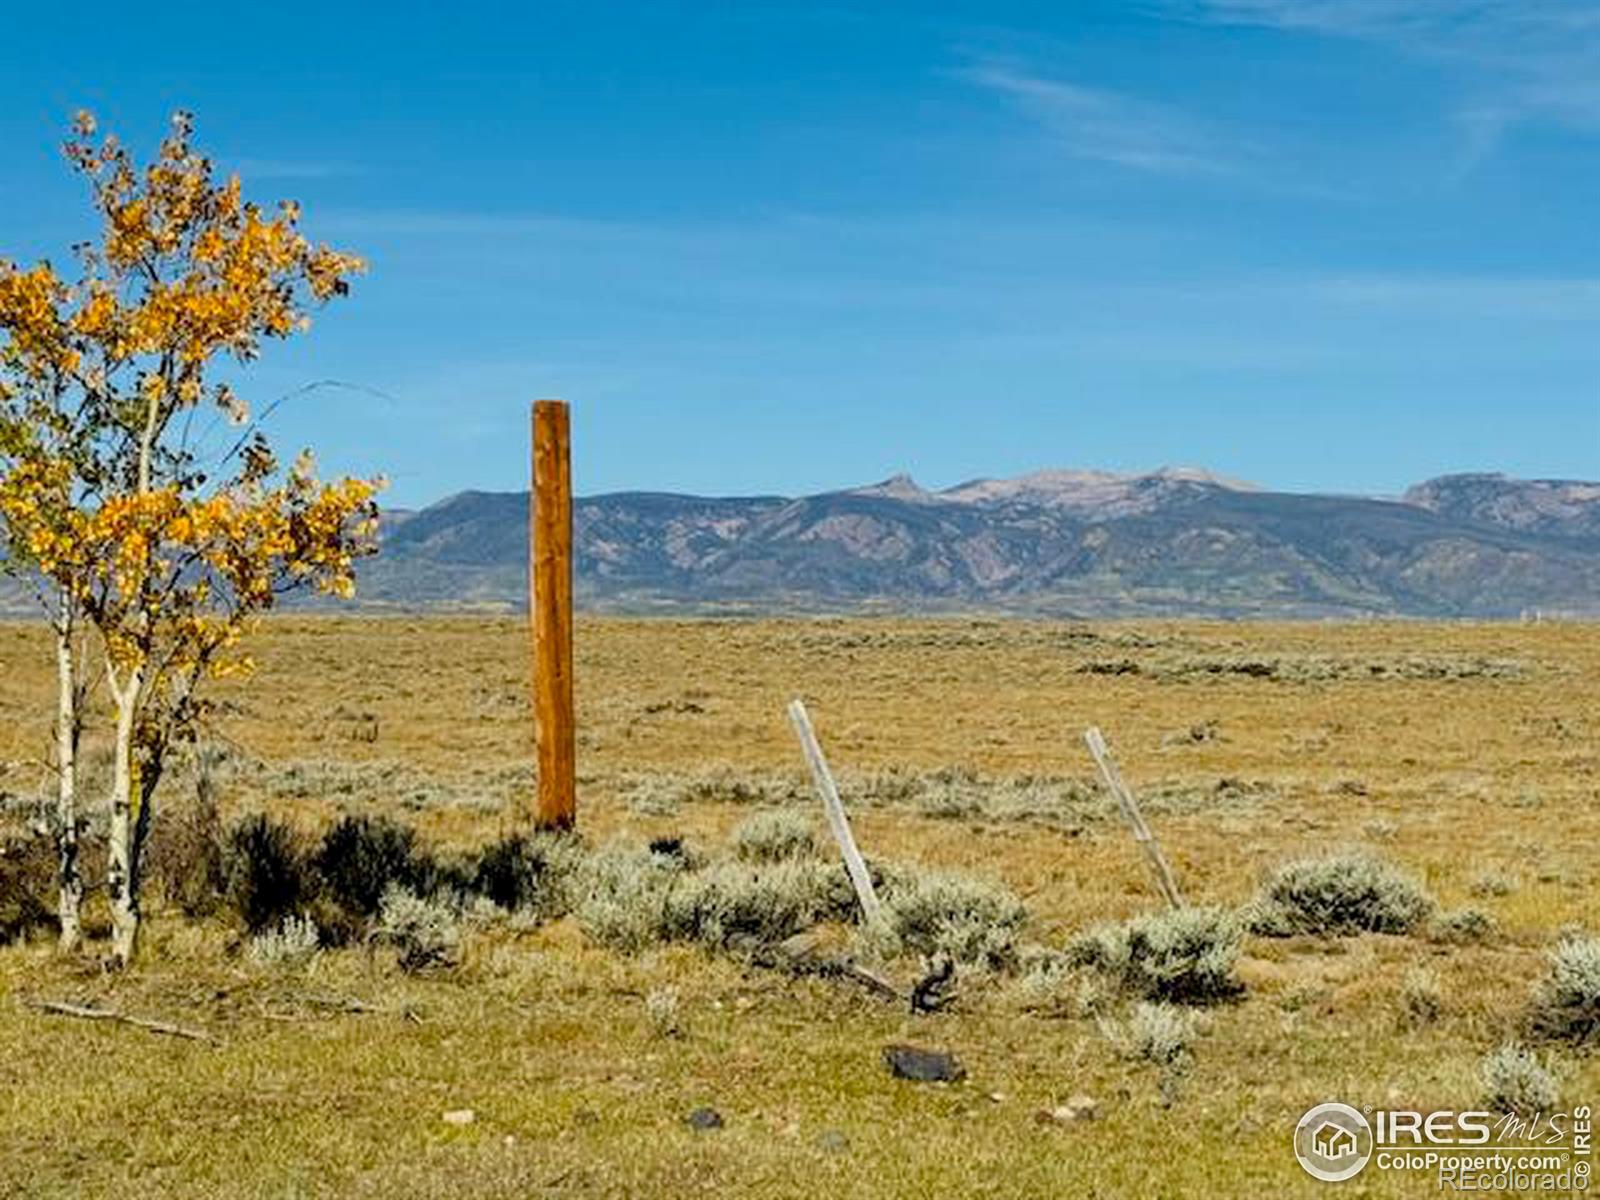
(833, 807)
(1135, 818)
(62, 1008)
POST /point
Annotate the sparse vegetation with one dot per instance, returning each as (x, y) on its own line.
(425, 933)
(774, 836)
(1566, 1003)
(294, 943)
(1336, 895)
(1186, 956)
(1421, 999)
(547, 1033)
(1515, 1081)
(1461, 927)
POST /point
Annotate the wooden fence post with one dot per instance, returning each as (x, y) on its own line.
(550, 606)
(1135, 818)
(833, 807)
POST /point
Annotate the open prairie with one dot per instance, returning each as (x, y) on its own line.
(1465, 755)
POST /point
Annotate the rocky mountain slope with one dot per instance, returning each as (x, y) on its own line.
(1064, 542)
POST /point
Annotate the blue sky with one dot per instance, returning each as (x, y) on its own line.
(1319, 244)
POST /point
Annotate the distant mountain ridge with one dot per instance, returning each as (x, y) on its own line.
(1069, 542)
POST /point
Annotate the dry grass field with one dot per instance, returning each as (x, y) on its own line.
(1465, 754)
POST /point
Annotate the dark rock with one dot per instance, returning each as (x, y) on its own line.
(923, 1066)
(703, 1119)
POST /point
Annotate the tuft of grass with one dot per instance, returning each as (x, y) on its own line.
(1421, 999)
(1515, 1081)
(1186, 956)
(1336, 895)
(774, 836)
(1566, 1003)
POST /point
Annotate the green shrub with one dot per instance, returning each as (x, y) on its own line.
(1185, 956)
(267, 877)
(361, 858)
(1566, 1003)
(774, 836)
(1515, 1081)
(1339, 894)
(620, 898)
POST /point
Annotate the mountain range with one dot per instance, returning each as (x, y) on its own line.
(1177, 541)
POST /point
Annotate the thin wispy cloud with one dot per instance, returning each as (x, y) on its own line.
(1108, 126)
(1522, 61)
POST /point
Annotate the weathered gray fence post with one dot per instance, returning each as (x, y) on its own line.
(833, 807)
(1135, 818)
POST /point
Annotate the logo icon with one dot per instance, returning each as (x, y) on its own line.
(1333, 1142)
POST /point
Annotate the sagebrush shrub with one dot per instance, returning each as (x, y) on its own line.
(1155, 1032)
(733, 906)
(267, 876)
(1185, 956)
(425, 934)
(620, 896)
(974, 921)
(1461, 926)
(294, 943)
(1515, 1081)
(774, 836)
(1566, 1003)
(663, 1010)
(529, 873)
(1339, 894)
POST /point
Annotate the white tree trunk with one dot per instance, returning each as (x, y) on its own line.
(69, 874)
(122, 887)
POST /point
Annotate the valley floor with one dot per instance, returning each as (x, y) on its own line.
(1465, 754)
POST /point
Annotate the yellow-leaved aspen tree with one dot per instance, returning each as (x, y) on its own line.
(166, 549)
(36, 490)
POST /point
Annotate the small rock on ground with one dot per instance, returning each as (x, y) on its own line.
(1078, 1108)
(923, 1066)
(703, 1119)
(460, 1116)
